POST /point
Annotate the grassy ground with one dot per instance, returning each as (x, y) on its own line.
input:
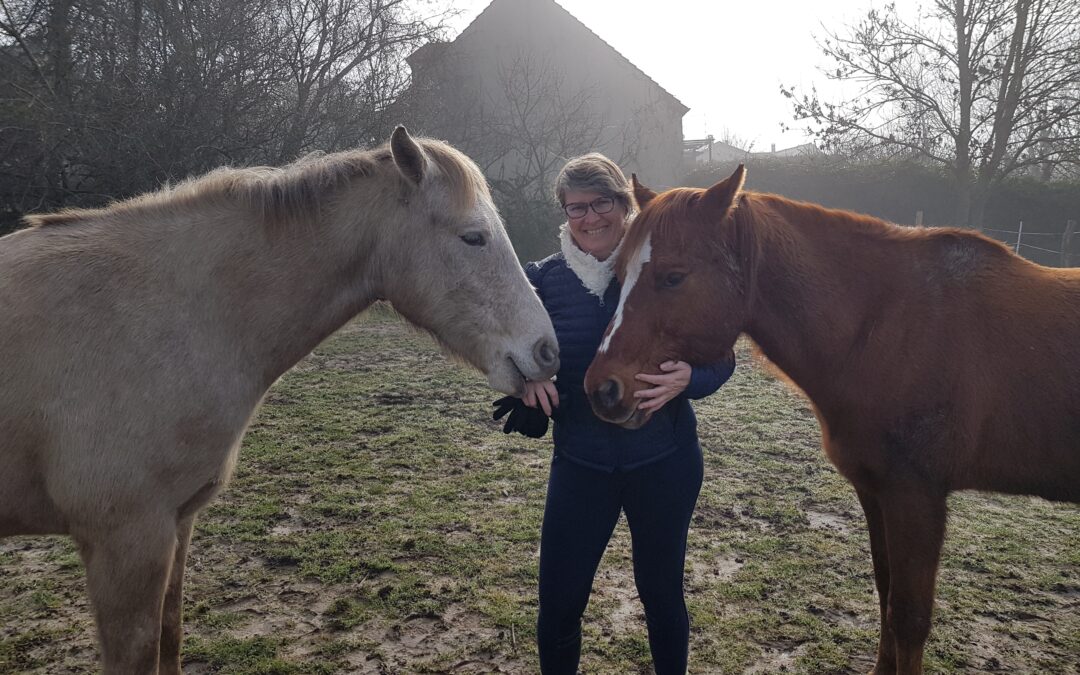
(379, 522)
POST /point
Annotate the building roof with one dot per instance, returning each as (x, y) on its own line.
(802, 150)
(436, 48)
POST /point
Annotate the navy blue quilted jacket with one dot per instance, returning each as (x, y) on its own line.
(580, 319)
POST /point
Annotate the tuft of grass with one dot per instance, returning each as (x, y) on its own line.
(252, 656)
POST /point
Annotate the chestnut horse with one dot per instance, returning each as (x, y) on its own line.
(935, 359)
(137, 341)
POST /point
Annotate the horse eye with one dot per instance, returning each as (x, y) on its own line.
(473, 238)
(673, 279)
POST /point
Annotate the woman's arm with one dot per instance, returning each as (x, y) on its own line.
(705, 380)
(679, 377)
(534, 274)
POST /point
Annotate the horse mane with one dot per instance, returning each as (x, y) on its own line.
(62, 217)
(957, 249)
(290, 193)
(467, 183)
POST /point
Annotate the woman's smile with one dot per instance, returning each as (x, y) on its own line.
(595, 233)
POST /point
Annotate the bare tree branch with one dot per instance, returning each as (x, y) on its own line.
(985, 88)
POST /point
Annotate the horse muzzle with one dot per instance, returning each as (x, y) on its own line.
(513, 367)
(546, 357)
(608, 401)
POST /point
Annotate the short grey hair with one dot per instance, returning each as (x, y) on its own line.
(594, 173)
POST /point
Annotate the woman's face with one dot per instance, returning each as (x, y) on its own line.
(595, 233)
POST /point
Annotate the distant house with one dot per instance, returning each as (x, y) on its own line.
(526, 85)
(708, 150)
(803, 150)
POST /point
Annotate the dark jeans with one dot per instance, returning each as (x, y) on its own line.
(582, 509)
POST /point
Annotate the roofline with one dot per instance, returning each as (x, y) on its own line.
(678, 103)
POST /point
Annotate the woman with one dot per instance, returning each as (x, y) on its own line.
(653, 474)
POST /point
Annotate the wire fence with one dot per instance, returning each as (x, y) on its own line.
(1018, 239)
(1058, 249)
(1048, 248)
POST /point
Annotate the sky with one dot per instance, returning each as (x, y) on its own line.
(724, 59)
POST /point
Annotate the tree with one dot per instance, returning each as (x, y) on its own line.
(104, 99)
(536, 123)
(521, 129)
(982, 88)
(114, 97)
(340, 54)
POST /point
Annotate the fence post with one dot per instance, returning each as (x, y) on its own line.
(918, 219)
(1019, 234)
(1066, 243)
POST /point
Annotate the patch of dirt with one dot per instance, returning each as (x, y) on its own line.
(821, 520)
(444, 641)
(709, 570)
(292, 522)
(776, 658)
(851, 619)
(617, 600)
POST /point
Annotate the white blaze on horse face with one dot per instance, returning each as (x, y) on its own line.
(633, 271)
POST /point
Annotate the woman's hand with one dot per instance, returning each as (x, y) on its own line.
(542, 393)
(672, 382)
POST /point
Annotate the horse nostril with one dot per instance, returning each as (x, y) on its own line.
(546, 353)
(609, 393)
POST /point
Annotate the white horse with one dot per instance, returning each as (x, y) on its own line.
(136, 342)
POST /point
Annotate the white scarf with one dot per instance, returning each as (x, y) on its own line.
(595, 275)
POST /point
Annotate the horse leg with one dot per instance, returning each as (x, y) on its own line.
(172, 615)
(126, 572)
(914, 515)
(879, 552)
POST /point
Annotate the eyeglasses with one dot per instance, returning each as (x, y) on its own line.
(600, 206)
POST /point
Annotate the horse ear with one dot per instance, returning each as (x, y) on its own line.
(408, 156)
(642, 194)
(725, 194)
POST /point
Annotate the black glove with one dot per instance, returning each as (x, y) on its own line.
(531, 422)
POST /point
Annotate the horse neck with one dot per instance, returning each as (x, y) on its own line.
(325, 289)
(278, 290)
(812, 295)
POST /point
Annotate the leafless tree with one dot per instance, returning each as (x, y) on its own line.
(106, 98)
(735, 140)
(339, 53)
(521, 128)
(117, 96)
(536, 124)
(984, 88)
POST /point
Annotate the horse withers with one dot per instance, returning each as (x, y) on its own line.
(137, 341)
(936, 359)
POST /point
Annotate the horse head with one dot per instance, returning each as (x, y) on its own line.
(454, 270)
(686, 274)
